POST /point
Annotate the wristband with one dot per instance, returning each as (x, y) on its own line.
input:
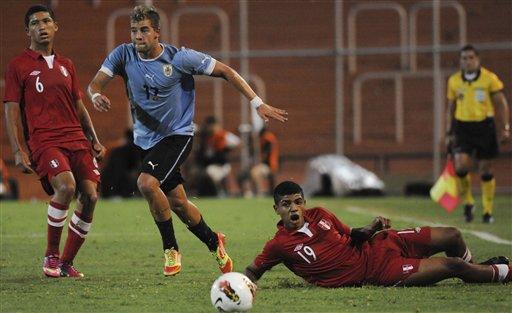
(256, 102)
(94, 96)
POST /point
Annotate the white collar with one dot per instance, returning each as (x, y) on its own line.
(305, 230)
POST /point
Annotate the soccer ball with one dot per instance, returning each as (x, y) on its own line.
(232, 292)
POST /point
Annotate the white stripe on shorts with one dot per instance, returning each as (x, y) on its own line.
(177, 159)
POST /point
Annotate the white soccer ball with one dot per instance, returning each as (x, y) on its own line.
(232, 292)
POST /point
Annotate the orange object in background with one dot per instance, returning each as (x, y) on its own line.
(445, 191)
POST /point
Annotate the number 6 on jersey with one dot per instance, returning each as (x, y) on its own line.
(39, 85)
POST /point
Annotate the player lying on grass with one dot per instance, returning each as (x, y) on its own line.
(315, 245)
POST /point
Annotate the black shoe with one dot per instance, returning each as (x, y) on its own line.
(496, 260)
(468, 212)
(487, 218)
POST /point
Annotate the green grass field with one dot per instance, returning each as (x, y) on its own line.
(122, 261)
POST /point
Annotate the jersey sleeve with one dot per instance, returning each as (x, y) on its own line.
(114, 63)
(269, 257)
(76, 90)
(13, 86)
(450, 91)
(194, 62)
(341, 227)
(496, 84)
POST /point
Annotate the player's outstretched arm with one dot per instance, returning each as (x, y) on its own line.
(95, 89)
(264, 110)
(254, 273)
(14, 128)
(90, 133)
(362, 234)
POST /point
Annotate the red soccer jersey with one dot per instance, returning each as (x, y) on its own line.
(320, 252)
(47, 99)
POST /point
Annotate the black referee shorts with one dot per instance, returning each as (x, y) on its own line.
(163, 161)
(476, 137)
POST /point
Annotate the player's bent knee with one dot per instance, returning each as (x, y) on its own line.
(67, 190)
(147, 184)
(90, 198)
(455, 264)
(179, 204)
(453, 234)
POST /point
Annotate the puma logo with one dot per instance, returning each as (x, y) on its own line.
(152, 165)
(204, 60)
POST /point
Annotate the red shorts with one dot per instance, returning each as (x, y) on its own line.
(395, 255)
(55, 160)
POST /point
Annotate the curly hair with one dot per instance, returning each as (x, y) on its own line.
(145, 12)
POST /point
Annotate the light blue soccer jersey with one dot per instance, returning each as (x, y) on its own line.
(161, 90)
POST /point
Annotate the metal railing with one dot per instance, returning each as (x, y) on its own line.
(224, 44)
(413, 22)
(398, 77)
(352, 29)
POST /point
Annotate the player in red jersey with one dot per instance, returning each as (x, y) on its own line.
(43, 101)
(318, 247)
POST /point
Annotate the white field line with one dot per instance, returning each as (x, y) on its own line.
(480, 234)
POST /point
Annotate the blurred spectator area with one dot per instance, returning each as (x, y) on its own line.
(303, 85)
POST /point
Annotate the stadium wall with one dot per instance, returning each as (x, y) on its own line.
(301, 84)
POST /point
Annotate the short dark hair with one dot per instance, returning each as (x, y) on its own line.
(37, 8)
(286, 188)
(146, 12)
(469, 47)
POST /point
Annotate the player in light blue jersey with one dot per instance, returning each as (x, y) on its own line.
(160, 86)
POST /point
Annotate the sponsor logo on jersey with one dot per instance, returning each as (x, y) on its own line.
(407, 268)
(54, 163)
(152, 165)
(149, 76)
(298, 247)
(35, 73)
(167, 69)
(64, 71)
(417, 229)
(325, 225)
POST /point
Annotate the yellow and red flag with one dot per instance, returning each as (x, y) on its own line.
(445, 191)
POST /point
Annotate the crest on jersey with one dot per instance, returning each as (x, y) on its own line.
(54, 163)
(64, 71)
(407, 268)
(167, 69)
(325, 225)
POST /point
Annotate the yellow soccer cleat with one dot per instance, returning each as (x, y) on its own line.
(172, 264)
(222, 257)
